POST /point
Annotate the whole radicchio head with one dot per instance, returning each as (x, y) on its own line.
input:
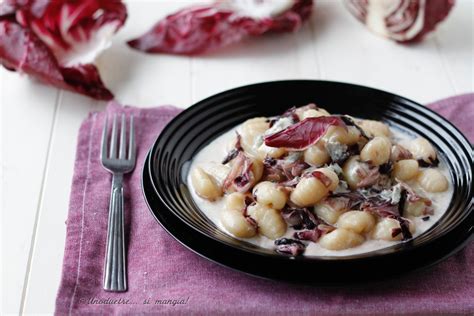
(403, 21)
(197, 29)
(57, 41)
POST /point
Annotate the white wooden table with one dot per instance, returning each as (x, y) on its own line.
(40, 124)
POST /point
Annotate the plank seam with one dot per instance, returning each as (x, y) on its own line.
(26, 279)
(444, 65)
(319, 72)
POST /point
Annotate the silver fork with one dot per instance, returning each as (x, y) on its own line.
(115, 270)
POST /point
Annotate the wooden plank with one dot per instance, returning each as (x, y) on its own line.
(48, 248)
(27, 114)
(455, 43)
(271, 57)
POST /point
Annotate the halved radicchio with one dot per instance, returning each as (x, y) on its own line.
(303, 134)
(400, 20)
(57, 41)
(197, 29)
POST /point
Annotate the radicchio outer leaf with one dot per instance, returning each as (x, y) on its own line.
(303, 134)
(200, 28)
(55, 41)
(401, 20)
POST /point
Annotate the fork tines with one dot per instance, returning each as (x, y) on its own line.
(111, 154)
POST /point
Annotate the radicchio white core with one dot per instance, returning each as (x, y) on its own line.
(400, 20)
(58, 41)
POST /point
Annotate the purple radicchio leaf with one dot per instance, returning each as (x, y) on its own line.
(303, 134)
(290, 246)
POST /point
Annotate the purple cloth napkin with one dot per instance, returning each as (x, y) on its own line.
(166, 278)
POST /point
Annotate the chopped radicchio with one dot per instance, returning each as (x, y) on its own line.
(370, 175)
(315, 233)
(290, 246)
(430, 163)
(350, 122)
(401, 20)
(383, 205)
(399, 152)
(197, 29)
(284, 171)
(386, 168)
(56, 41)
(299, 218)
(324, 179)
(234, 152)
(303, 134)
(240, 176)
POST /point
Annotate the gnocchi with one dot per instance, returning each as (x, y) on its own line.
(344, 135)
(268, 193)
(376, 151)
(433, 181)
(205, 185)
(374, 128)
(329, 211)
(270, 223)
(236, 224)
(356, 221)
(340, 239)
(330, 188)
(389, 229)
(235, 201)
(316, 112)
(421, 149)
(316, 155)
(308, 191)
(356, 172)
(405, 169)
(251, 134)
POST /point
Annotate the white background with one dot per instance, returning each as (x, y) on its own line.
(39, 124)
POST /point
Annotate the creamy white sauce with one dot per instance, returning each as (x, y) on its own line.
(212, 155)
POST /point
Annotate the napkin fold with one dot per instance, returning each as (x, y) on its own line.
(166, 278)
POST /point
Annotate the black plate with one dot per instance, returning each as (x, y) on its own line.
(166, 191)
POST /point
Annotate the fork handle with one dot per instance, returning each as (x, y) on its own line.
(115, 273)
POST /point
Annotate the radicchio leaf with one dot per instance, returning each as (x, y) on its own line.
(283, 171)
(303, 134)
(55, 41)
(197, 29)
(404, 21)
(234, 152)
(315, 233)
(399, 152)
(240, 177)
(299, 218)
(290, 246)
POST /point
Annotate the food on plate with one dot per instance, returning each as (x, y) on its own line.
(57, 41)
(403, 21)
(196, 29)
(314, 183)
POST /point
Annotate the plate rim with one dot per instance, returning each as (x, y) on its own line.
(401, 247)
